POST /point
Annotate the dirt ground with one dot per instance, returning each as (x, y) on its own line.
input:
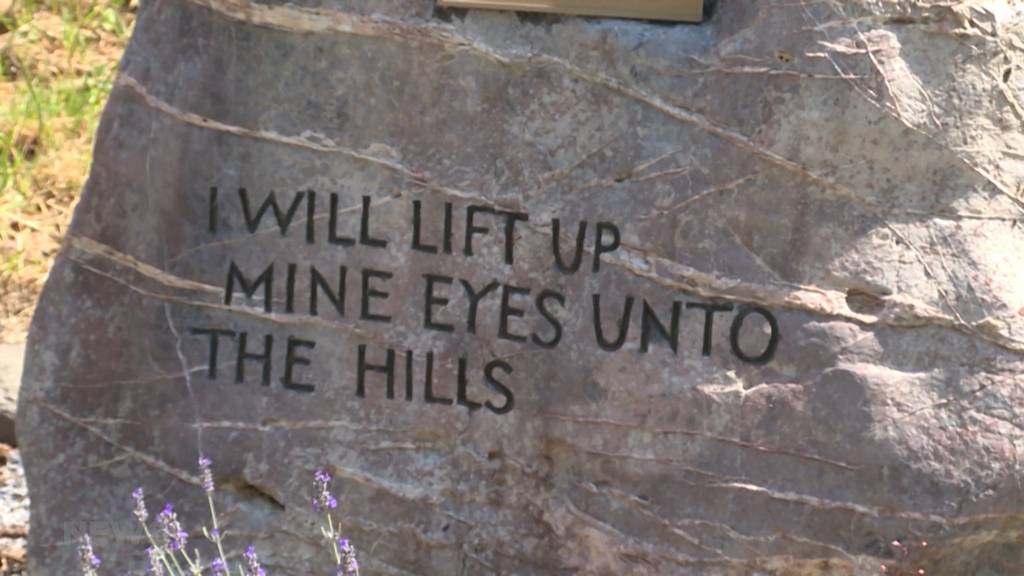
(57, 62)
(13, 513)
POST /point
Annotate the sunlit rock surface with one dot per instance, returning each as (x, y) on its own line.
(854, 169)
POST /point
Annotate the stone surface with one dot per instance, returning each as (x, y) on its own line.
(852, 168)
(11, 358)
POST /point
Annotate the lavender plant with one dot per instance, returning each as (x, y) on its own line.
(324, 501)
(88, 560)
(168, 552)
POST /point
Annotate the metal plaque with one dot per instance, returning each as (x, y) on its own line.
(679, 10)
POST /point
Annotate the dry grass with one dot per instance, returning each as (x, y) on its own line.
(57, 61)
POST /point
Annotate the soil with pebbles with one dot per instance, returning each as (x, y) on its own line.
(13, 513)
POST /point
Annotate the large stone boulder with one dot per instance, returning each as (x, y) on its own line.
(322, 232)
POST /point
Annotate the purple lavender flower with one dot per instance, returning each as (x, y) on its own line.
(87, 560)
(174, 537)
(218, 568)
(156, 567)
(349, 566)
(323, 500)
(252, 563)
(140, 505)
(204, 468)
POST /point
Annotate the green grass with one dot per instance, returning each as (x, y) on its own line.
(57, 64)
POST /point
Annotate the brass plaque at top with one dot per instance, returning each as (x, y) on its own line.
(679, 10)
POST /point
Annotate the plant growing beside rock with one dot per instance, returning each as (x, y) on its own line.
(169, 555)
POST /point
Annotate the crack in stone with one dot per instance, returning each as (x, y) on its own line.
(698, 434)
(674, 523)
(170, 281)
(91, 247)
(186, 378)
(858, 509)
(899, 311)
(134, 453)
(297, 19)
(403, 491)
(620, 540)
(893, 112)
(631, 501)
(683, 204)
(329, 147)
(270, 425)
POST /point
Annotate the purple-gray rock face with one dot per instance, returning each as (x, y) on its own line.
(548, 295)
